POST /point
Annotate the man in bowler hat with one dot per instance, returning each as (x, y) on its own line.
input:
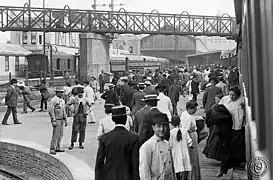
(118, 153)
(11, 99)
(155, 154)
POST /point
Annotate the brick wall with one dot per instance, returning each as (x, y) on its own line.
(33, 161)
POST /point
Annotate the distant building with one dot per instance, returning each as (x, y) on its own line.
(12, 60)
(174, 48)
(126, 44)
(207, 44)
(206, 58)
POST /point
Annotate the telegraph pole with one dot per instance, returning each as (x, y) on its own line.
(111, 5)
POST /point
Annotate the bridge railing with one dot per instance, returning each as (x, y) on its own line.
(74, 20)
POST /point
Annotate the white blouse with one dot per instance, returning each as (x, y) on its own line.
(235, 109)
(106, 125)
(188, 121)
(165, 105)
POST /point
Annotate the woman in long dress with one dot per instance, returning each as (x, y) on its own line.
(234, 102)
(188, 122)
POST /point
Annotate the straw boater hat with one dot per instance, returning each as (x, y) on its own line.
(148, 82)
(119, 111)
(111, 86)
(59, 89)
(141, 85)
(150, 97)
(21, 84)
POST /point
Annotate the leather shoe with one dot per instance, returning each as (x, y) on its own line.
(59, 150)
(71, 147)
(53, 152)
(81, 146)
(5, 123)
(18, 123)
(221, 173)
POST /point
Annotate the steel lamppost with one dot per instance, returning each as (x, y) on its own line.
(44, 44)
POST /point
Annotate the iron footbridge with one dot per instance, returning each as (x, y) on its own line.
(83, 21)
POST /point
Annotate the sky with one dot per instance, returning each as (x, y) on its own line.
(193, 7)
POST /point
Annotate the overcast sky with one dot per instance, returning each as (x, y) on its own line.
(194, 7)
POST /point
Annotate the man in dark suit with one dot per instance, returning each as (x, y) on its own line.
(11, 99)
(148, 89)
(45, 95)
(127, 92)
(118, 153)
(101, 81)
(210, 93)
(151, 101)
(145, 131)
(111, 96)
(137, 102)
(166, 82)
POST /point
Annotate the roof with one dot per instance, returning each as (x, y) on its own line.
(205, 53)
(13, 50)
(229, 53)
(54, 54)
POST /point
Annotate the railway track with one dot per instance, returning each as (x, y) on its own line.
(9, 176)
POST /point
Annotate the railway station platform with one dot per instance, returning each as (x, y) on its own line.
(37, 128)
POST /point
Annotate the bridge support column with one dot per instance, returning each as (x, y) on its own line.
(94, 55)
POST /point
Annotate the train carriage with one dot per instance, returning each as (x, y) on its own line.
(61, 62)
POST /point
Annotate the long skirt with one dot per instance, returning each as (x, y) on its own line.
(195, 174)
(236, 150)
(216, 146)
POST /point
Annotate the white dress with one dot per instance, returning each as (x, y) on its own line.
(180, 151)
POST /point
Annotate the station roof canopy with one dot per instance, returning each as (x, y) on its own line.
(202, 54)
(13, 50)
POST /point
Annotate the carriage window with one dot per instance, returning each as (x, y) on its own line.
(40, 39)
(58, 64)
(33, 37)
(68, 64)
(6, 63)
(16, 63)
(131, 49)
(24, 38)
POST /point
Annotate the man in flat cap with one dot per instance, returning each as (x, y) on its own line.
(111, 96)
(44, 94)
(57, 113)
(79, 106)
(11, 100)
(155, 159)
(118, 153)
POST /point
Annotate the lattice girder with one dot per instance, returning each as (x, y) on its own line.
(72, 20)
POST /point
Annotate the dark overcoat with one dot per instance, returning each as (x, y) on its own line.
(111, 97)
(137, 102)
(11, 97)
(139, 116)
(118, 156)
(146, 131)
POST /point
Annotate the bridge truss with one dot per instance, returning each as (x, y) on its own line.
(73, 20)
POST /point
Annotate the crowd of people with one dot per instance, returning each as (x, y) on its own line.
(145, 134)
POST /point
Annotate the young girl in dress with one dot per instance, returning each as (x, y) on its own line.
(179, 143)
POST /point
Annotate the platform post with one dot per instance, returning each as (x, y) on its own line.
(94, 55)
